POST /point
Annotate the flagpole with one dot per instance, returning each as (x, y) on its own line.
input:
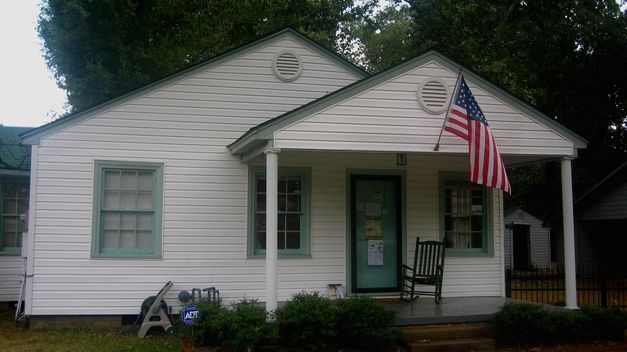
(437, 145)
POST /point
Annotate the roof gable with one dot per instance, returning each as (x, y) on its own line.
(34, 136)
(431, 60)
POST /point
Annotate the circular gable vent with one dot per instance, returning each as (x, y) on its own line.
(287, 66)
(433, 95)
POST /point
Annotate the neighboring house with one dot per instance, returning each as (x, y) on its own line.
(527, 242)
(14, 186)
(175, 181)
(601, 225)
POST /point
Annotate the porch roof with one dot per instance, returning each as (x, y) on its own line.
(276, 131)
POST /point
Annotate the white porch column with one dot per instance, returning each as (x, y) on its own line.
(272, 180)
(569, 235)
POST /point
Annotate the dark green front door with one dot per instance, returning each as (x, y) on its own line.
(375, 233)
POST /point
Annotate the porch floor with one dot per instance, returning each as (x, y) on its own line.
(424, 311)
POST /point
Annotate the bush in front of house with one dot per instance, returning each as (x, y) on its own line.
(308, 321)
(362, 323)
(521, 323)
(242, 326)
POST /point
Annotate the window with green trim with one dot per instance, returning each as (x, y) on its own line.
(292, 208)
(127, 209)
(464, 214)
(14, 195)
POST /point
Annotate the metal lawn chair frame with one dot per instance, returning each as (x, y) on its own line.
(428, 269)
(157, 312)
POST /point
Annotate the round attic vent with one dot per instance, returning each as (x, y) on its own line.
(433, 95)
(287, 66)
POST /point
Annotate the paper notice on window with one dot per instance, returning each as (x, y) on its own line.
(375, 252)
(373, 227)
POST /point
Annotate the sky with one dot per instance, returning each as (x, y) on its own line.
(29, 95)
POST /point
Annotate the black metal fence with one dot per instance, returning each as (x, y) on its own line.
(594, 287)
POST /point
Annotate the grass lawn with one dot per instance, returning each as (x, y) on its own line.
(15, 338)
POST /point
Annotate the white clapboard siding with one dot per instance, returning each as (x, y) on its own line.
(10, 277)
(539, 239)
(388, 117)
(186, 126)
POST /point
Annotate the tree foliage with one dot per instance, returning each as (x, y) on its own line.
(101, 49)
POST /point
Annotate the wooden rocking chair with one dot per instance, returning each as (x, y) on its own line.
(428, 269)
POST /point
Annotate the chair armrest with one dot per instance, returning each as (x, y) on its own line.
(406, 267)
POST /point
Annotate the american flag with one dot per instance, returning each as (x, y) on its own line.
(466, 120)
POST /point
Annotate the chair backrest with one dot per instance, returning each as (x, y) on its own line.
(428, 256)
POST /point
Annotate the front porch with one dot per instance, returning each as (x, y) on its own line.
(424, 311)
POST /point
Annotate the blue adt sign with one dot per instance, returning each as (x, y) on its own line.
(189, 313)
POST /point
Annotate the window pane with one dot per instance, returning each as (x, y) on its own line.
(10, 190)
(477, 223)
(127, 200)
(261, 240)
(293, 203)
(448, 223)
(129, 180)
(22, 206)
(128, 221)
(144, 180)
(110, 239)
(127, 239)
(293, 186)
(144, 200)
(282, 200)
(144, 239)
(9, 206)
(477, 240)
(260, 222)
(261, 202)
(144, 221)
(18, 239)
(111, 221)
(111, 199)
(23, 193)
(293, 222)
(261, 184)
(112, 179)
(8, 239)
(282, 185)
(293, 240)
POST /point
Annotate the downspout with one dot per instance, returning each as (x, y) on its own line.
(502, 241)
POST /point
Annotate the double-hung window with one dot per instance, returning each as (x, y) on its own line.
(464, 215)
(292, 208)
(14, 196)
(127, 209)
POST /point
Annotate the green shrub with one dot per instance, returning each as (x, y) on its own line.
(242, 326)
(604, 323)
(362, 323)
(519, 323)
(307, 322)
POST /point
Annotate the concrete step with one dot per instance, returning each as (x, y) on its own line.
(457, 345)
(446, 332)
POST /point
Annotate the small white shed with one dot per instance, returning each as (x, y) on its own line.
(527, 242)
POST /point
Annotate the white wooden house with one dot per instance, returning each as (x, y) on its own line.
(175, 181)
(527, 242)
